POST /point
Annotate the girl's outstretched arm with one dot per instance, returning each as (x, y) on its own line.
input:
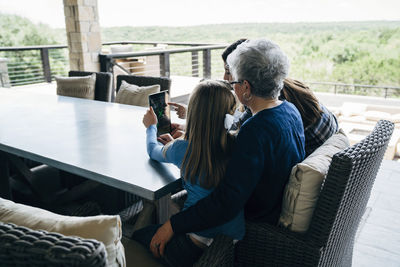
(154, 148)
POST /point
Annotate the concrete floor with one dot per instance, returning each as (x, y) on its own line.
(378, 240)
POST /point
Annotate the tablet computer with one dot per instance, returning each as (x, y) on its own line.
(158, 102)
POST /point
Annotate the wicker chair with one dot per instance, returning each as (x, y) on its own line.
(103, 86)
(21, 246)
(329, 240)
(164, 82)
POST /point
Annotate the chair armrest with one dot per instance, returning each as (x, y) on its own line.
(19, 245)
(273, 233)
(265, 244)
(220, 253)
(179, 198)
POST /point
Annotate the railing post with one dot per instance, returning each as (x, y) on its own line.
(44, 54)
(334, 89)
(164, 65)
(105, 64)
(386, 92)
(207, 63)
(195, 64)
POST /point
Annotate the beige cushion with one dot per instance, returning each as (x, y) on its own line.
(353, 109)
(302, 190)
(106, 229)
(115, 49)
(374, 115)
(395, 118)
(82, 87)
(131, 94)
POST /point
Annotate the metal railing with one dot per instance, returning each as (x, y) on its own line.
(167, 62)
(34, 64)
(356, 89)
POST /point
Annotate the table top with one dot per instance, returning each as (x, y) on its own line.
(101, 141)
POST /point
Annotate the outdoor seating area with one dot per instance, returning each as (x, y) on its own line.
(133, 216)
(357, 119)
(128, 152)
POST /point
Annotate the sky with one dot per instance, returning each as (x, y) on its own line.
(200, 12)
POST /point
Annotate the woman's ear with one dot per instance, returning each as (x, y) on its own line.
(246, 87)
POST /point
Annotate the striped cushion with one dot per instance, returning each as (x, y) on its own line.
(82, 87)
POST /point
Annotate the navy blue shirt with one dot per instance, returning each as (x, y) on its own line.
(268, 145)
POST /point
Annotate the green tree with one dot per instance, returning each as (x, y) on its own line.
(25, 66)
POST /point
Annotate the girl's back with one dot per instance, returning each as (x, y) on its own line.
(204, 152)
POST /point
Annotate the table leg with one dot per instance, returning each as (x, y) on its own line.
(5, 191)
(163, 209)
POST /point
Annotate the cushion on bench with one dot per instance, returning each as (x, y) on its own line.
(104, 228)
(301, 192)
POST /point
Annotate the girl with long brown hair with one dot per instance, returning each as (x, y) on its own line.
(202, 156)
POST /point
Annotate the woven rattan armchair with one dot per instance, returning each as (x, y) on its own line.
(103, 86)
(21, 246)
(164, 82)
(342, 202)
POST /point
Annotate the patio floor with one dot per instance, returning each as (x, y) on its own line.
(378, 238)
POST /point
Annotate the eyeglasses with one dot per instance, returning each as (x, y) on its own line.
(233, 82)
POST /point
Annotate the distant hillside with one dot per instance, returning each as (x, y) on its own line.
(350, 52)
(231, 32)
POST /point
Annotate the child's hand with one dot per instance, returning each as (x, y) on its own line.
(180, 109)
(177, 130)
(149, 118)
(165, 138)
(177, 127)
(177, 133)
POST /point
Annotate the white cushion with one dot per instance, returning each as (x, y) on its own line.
(106, 229)
(302, 191)
(132, 94)
(82, 87)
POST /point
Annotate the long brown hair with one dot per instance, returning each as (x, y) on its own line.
(303, 98)
(209, 143)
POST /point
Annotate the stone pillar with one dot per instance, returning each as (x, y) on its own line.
(83, 33)
(4, 78)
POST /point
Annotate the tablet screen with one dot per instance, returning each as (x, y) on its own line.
(159, 103)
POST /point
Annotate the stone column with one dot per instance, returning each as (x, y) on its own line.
(4, 78)
(83, 33)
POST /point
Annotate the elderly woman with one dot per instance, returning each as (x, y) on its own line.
(268, 145)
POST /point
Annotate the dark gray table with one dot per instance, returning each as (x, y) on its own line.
(101, 141)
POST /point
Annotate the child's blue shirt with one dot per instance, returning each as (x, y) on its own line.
(235, 228)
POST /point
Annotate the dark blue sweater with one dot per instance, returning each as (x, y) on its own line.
(268, 145)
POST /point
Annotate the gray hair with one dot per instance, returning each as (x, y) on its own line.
(263, 64)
